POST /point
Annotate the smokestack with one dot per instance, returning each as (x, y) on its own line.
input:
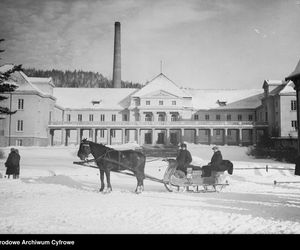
(117, 57)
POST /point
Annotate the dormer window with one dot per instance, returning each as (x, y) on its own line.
(95, 102)
(221, 103)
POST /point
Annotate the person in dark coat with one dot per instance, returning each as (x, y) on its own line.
(183, 158)
(12, 164)
(297, 165)
(214, 163)
(17, 173)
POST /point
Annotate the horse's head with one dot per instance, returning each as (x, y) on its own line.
(84, 149)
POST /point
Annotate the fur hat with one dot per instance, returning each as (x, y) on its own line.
(215, 147)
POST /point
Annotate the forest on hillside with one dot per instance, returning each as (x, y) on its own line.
(77, 78)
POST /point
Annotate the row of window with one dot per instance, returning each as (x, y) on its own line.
(102, 117)
(102, 133)
(293, 104)
(160, 102)
(228, 117)
(161, 117)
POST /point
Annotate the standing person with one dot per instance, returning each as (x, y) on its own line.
(214, 163)
(17, 173)
(12, 164)
(183, 158)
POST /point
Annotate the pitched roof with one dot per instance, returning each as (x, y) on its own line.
(288, 89)
(24, 82)
(208, 98)
(295, 73)
(246, 103)
(161, 82)
(82, 98)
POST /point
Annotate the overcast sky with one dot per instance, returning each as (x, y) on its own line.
(202, 43)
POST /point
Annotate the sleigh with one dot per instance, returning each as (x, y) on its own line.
(177, 181)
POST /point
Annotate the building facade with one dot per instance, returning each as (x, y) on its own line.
(159, 113)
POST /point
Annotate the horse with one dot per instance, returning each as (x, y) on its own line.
(108, 159)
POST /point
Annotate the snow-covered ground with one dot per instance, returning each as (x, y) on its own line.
(55, 196)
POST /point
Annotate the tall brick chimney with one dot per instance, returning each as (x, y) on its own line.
(117, 57)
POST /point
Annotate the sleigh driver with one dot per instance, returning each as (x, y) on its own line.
(183, 158)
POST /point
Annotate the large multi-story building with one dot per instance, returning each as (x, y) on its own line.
(159, 113)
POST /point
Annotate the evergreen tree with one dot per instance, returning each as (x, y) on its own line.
(77, 78)
(6, 87)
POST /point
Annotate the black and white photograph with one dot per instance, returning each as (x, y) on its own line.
(149, 117)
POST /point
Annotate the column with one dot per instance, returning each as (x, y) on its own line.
(78, 135)
(138, 136)
(51, 136)
(240, 136)
(108, 136)
(196, 136)
(93, 134)
(168, 117)
(225, 136)
(154, 117)
(211, 134)
(123, 136)
(153, 137)
(63, 136)
(168, 136)
(254, 136)
(182, 134)
(67, 137)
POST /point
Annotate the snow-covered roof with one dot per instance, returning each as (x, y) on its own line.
(24, 82)
(41, 80)
(274, 82)
(245, 103)
(29, 85)
(161, 82)
(288, 89)
(208, 98)
(83, 98)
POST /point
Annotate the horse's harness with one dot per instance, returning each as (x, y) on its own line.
(103, 155)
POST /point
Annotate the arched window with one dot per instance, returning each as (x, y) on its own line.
(174, 117)
(148, 117)
(161, 117)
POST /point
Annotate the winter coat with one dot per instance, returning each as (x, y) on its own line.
(13, 163)
(216, 160)
(183, 158)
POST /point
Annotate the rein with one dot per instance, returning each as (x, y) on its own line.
(103, 156)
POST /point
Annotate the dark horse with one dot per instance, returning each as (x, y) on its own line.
(107, 160)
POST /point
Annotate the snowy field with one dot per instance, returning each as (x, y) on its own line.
(53, 196)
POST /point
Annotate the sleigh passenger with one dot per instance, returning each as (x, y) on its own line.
(214, 163)
(183, 158)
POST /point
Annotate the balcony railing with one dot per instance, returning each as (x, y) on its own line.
(157, 123)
